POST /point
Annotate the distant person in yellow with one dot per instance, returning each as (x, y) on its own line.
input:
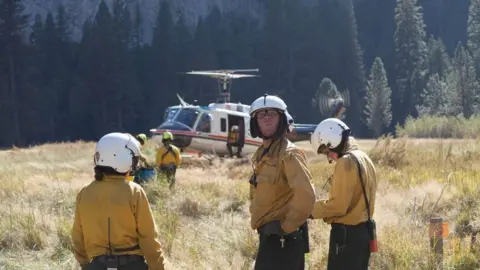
(232, 140)
(142, 138)
(351, 203)
(168, 159)
(113, 225)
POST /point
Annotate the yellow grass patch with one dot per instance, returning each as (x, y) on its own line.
(204, 224)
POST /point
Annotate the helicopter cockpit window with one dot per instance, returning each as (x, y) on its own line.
(169, 114)
(204, 125)
(187, 117)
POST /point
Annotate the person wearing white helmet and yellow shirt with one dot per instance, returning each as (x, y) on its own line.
(113, 225)
(281, 191)
(351, 203)
(168, 158)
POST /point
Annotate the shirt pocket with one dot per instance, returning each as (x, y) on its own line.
(266, 186)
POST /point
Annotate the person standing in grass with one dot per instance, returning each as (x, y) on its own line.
(281, 192)
(142, 138)
(351, 202)
(168, 159)
(113, 225)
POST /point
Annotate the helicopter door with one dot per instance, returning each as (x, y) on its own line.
(234, 120)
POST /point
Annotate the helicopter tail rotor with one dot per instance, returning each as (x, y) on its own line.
(334, 107)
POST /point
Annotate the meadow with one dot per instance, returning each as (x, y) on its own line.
(204, 224)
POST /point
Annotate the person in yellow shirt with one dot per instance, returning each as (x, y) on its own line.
(113, 225)
(168, 159)
(281, 191)
(232, 140)
(351, 203)
(146, 171)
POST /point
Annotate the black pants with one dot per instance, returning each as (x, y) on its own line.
(100, 265)
(169, 173)
(349, 247)
(230, 150)
(271, 255)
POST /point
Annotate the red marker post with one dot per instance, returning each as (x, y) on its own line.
(437, 231)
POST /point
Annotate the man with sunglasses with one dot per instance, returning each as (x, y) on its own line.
(281, 191)
(351, 200)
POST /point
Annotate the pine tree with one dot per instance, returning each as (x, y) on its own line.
(438, 59)
(65, 71)
(378, 99)
(137, 31)
(466, 82)
(473, 30)
(410, 54)
(436, 98)
(12, 22)
(341, 55)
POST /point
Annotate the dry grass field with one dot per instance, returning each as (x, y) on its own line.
(204, 224)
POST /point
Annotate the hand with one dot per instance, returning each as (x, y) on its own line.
(273, 228)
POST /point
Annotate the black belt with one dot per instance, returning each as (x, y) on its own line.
(361, 225)
(121, 259)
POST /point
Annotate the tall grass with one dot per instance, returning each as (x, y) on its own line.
(204, 223)
(440, 127)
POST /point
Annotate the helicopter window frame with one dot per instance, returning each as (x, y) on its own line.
(203, 119)
(170, 113)
(184, 112)
(223, 124)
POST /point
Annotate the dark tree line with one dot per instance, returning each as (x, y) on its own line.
(53, 88)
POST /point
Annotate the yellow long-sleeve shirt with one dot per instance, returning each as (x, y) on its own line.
(284, 189)
(173, 157)
(131, 221)
(346, 203)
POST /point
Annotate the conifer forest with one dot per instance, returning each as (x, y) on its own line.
(395, 58)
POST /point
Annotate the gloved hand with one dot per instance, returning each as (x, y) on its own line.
(273, 228)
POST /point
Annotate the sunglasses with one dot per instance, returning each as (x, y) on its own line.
(269, 113)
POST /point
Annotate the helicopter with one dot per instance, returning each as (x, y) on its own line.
(204, 129)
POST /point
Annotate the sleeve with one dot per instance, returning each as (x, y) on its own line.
(341, 192)
(147, 233)
(299, 180)
(77, 235)
(143, 158)
(178, 157)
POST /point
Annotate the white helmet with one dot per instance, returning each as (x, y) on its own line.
(329, 133)
(118, 151)
(289, 121)
(267, 101)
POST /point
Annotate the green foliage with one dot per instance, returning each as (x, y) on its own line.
(465, 82)
(440, 127)
(435, 96)
(410, 55)
(55, 87)
(378, 108)
(473, 29)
